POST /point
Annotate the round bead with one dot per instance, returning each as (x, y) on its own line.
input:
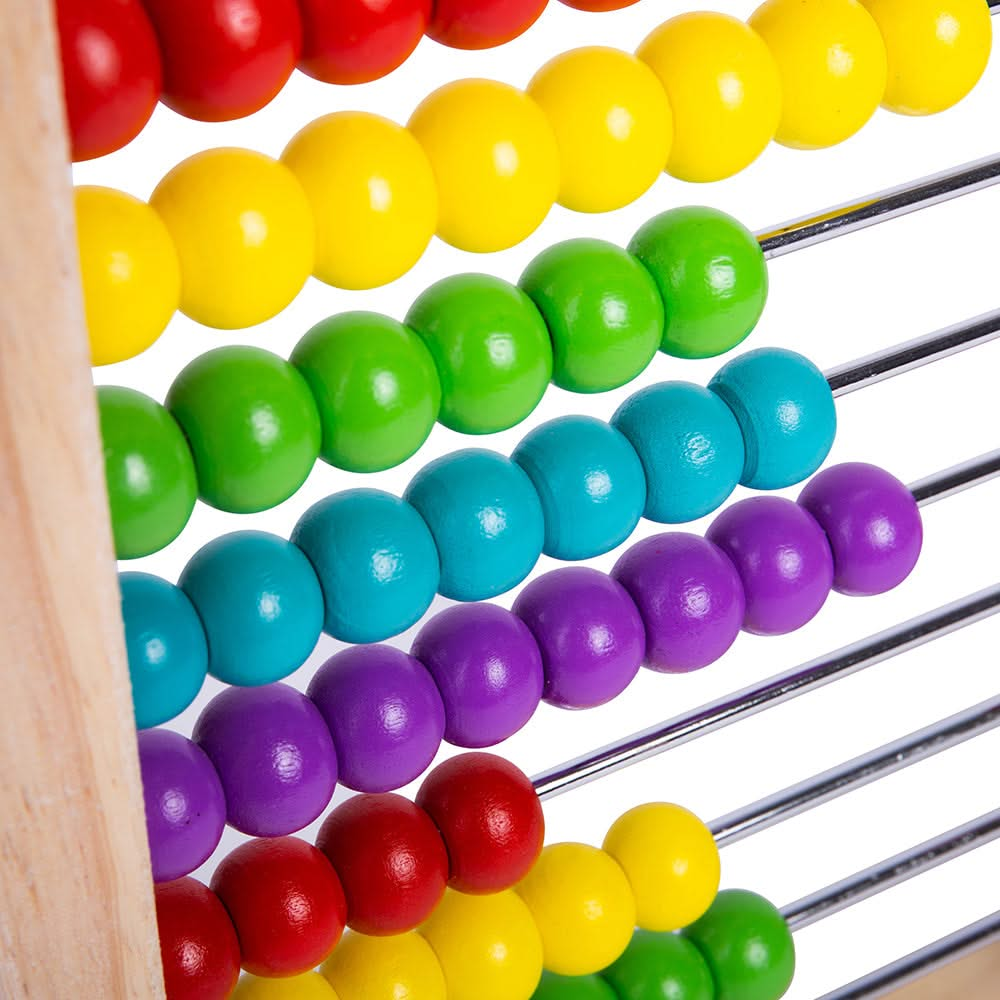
(490, 818)
(148, 469)
(599, 6)
(488, 669)
(384, 713)
(308, 986)
(372, 194)
(482, 24)
(655, 966)
(261, 605)
(274, 755)
(252, 426)
(286, 902)
(244, 234)
(612, 124)
(384, 968)
(783, 558)
(376, 562)
(488, 946)
(495, 160)
(872, 523)
(491, 348)
(185, 808)
(391, 860)
(553, 987)
(832, 63)
(165, 642)
(747, 945)
(589, 632)
(723, 88)
(129, 273)
(689, 597)
(602, 309)
(785, 409)
(486, 520)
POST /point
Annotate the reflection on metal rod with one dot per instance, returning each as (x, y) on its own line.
(957, 479)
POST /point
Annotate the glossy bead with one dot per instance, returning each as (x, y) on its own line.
(252, 426)
(307, 986)
(384, 968)
(486, 520)
(602, 309)
(723, 88)
(553, 987)
(655, 966)
(482, 24)
(612, 123)
(747, 946)
(490, 818)
(286, 902)
(185, 808)
(786, 412)
(589, 632)
(166, 647)
(391, 860)
(376, 562)
(372, 194)
(488, 669)
(872, 523)
(384, 713)
(244, 234)
(260, 603)
(599, 6)
(274, 755)
(689, 597)
(129, 272)
(491, 348)
(495, 160)
(711, 274)
(148, 470)
(832, 63)
(783, 558)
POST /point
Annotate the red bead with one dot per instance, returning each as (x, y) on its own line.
(198, 946)
(111, 73)
(391, 860)
(286, 902)
(482, 24)
(225, 59)
(599, 6)
(490, 817)
(355, 41)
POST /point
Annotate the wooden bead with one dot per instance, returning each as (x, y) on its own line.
(482, 24)
(307, 986)
(385, 968)
(661, 965)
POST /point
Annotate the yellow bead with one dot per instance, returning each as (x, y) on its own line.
(308, 986)
(671, 862)
(937, 51)
(128, 270)
(400, 967)
(488, 946)
(612, 124)
(832, 64)
(244, 234)
(495, 161)
(583, 906)
(372, 194)
(723, 88)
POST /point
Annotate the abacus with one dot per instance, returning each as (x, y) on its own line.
(294, 762)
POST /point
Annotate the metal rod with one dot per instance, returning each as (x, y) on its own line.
(958, 478)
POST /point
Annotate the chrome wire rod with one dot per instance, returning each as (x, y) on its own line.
(957, 479)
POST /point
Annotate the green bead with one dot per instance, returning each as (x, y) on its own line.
(658, 966)
(375, 386)
(149, 471)
(747, 945)
(712, 275)
(603, 310)
(252, 425)
(553, 987)
(491, 348)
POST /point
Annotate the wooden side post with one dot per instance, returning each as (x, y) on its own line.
(976, 977)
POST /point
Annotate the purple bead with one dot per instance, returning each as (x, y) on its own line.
(274, 754)
(689, 596)
(385, 715)
(488, 669)
(589, 632)
(872, 523)
(783, 558)
(185, 807)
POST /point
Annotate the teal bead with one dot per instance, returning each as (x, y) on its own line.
(553, 987)
(786, 413)
(657, 966)
(376, 562)
(260, 602)
(590, 483)
(486, 519)
(690, 447)
(165, 642)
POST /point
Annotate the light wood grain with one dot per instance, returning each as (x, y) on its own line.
(976, 977)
